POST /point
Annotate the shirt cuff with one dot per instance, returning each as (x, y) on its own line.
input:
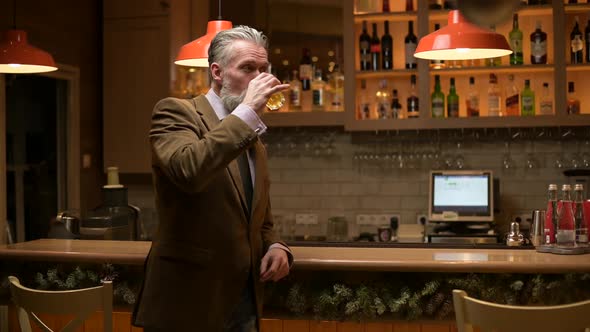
(285, 248)
(250, 117)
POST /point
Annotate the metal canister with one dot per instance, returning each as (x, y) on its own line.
(538, 228)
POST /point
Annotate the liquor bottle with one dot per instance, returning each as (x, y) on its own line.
(409, 5)
(550, 215)
(576, 44)
(565, 235)
(581, 229)
(295, 96)
(538, 46)
(336, 83)
(527, 100)
(375, 49)
(365, 48)
(385, 7)
(364, 109)
(413, 102)
(382, 101)
(305, 75)
(512, 98)
(410, 46)
(587, 39)
(449, 4)
(573, 103)
(546, 103)
(515, 36)
(437, 100)
(437, 64)
(305, 70)
(434, 4)
(386, 48)
(318, 88)
(494, 97)
(493, 62)
(472, 100)
(286, 107)
(396, 107)
(452, 101)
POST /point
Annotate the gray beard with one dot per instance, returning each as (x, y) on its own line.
(231, 101)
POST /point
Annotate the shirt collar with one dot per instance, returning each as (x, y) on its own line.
(217, 104)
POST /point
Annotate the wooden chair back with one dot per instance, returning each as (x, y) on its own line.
(488, 317)
(79, 302)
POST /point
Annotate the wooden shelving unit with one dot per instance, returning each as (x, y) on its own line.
(557, 72)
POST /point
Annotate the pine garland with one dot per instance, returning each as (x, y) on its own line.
(426, 296)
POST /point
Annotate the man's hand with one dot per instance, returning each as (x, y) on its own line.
(260, 89)
(274, 265)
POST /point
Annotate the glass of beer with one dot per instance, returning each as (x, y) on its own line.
(276, 101)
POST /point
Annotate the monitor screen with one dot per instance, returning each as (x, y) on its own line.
(461, 196)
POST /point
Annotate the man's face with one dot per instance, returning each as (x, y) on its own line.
(247, 60)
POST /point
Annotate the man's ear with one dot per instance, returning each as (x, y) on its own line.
(215, 72)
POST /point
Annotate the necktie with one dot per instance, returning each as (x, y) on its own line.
(246, 178)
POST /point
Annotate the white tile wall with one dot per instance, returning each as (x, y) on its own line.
(337, 184)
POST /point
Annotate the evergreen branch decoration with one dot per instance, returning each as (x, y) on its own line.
(427, 296)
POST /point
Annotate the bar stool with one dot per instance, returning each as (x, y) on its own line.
(79, 302)
(470, 312)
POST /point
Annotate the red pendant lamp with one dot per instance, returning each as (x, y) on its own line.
(195, 53)
(17, 56)
(462, 40)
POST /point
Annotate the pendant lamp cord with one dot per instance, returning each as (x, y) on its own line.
(219, 4)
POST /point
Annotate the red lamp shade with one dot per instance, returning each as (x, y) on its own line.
(195, 53)
(461, 40)
(17, 56)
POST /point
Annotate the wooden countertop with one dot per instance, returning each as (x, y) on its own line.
(324, 258)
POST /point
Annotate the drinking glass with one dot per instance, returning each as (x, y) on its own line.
(507, 161)
(276, 101)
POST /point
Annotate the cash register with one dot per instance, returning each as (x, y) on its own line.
(461, 207)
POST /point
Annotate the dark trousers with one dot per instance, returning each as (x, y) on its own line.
(243, 317)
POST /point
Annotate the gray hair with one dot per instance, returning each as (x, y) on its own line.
(221, 45)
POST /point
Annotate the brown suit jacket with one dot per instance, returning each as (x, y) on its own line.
(207, 241)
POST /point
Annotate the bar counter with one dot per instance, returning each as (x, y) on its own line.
(321, 258)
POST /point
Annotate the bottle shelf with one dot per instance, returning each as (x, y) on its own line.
(474, 122)
(391, 16)
(497, 70)
(578, 67)
(579, 8)
(385, 73)
(535, 10)
(304, 119)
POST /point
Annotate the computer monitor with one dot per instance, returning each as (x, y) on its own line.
(462, 195)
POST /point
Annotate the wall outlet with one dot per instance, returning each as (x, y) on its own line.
(362, 219)
(375, 219)
(421, 219)
(306, 218)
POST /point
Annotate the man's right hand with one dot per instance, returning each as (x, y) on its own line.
(260, 89)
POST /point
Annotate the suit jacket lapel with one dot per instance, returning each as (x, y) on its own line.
(210, 120)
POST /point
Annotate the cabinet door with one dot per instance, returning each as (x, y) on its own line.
(136, 76)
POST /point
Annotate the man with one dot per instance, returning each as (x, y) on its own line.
(215, 245)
